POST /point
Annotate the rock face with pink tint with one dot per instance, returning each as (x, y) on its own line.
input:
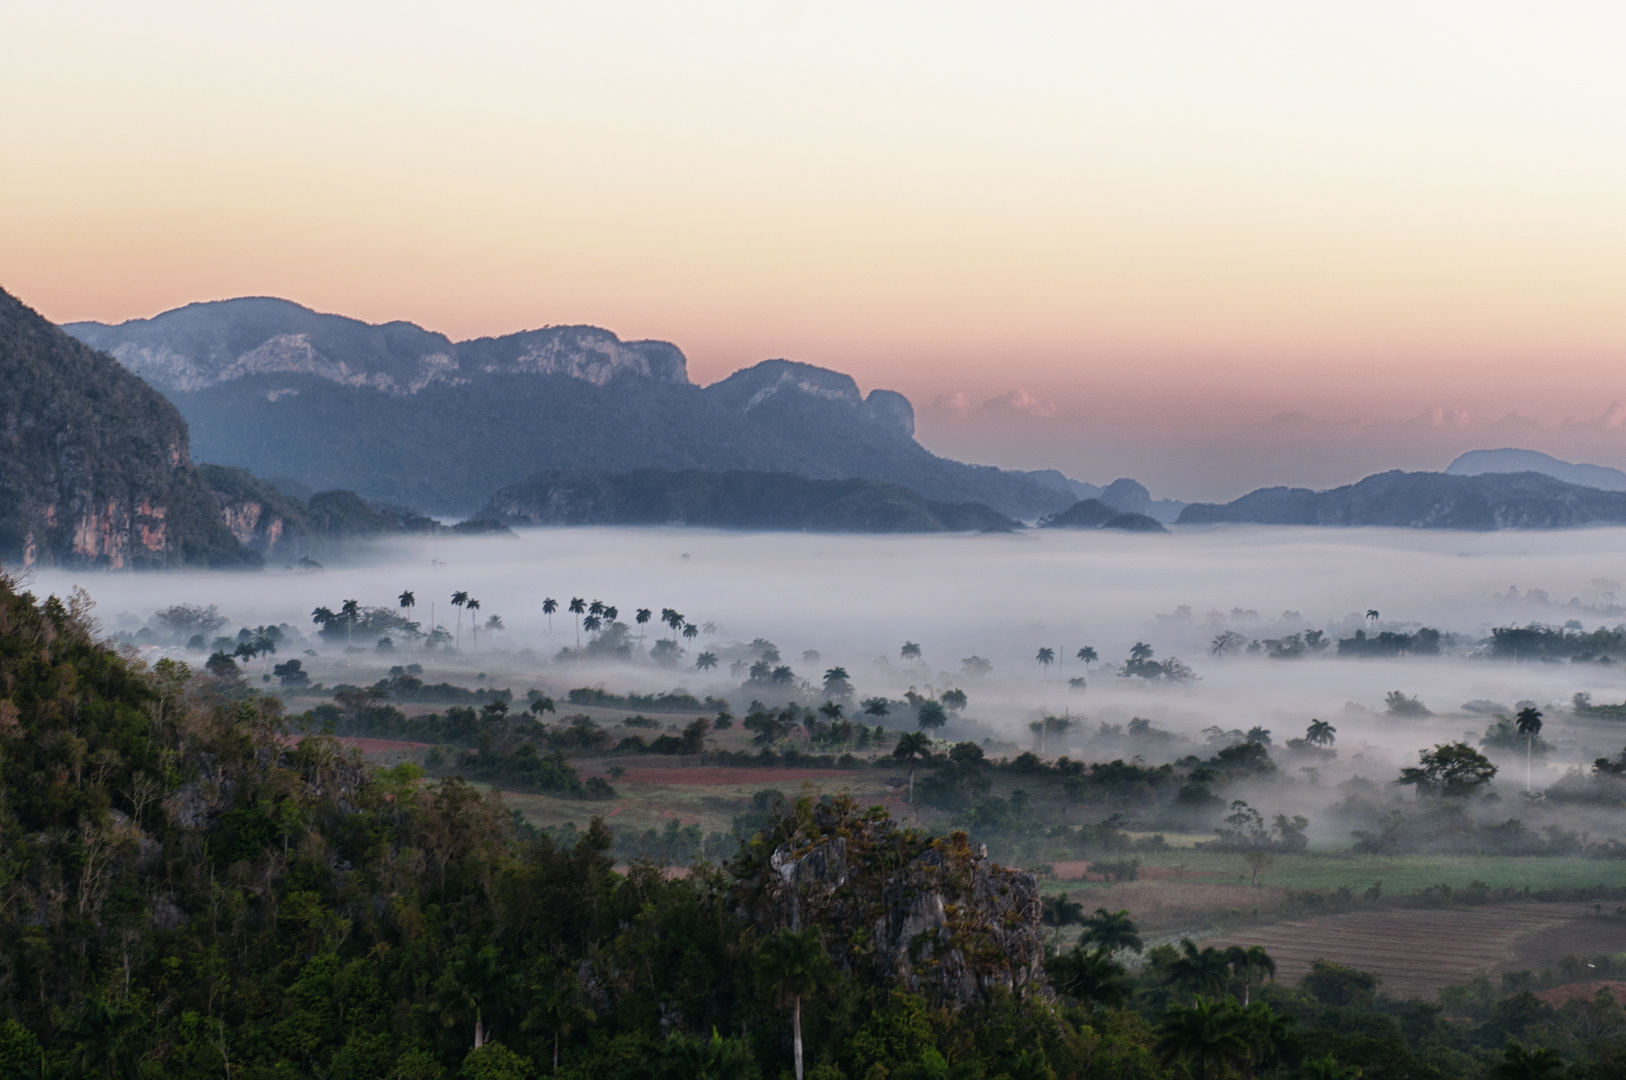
(94, 463)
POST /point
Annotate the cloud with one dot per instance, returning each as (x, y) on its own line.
(1017, 403)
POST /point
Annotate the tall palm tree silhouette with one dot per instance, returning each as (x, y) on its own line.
(458, 600)
(1529, 724)
(549, 606)
(577, 607)
(910, 651)
(1088, 655)
(474, 620)
(913, 747)
(1046, 657)
(1320, 733)
(407, 601)
(642, 617)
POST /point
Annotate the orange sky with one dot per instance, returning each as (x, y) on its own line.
(1180, 219)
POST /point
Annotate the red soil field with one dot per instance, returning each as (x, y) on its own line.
(1559, 996)
(1416, 951)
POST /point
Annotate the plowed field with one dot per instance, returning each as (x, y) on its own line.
(1417, 951)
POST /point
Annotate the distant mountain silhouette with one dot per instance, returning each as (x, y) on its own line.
(97, 469)
(1510, 460)
(1423, 500)
(403, 415)
(1096, 514)
(731, 500)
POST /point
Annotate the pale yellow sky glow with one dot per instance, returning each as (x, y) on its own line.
(1195, 215)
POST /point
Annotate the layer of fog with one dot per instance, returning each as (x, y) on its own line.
(856, 600)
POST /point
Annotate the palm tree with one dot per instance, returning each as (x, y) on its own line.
(549, 606)
(876, 707)
(556, 1009)
(910, 651)
(1088, 655)
(1205, 1038)
(479, 981)
(642, 617)
(691, 631)
(1058, 912)
(706, 661)
(1140, 651)
(913, 747)
(408, 601)
(1199, 972)
(458, 600)
(1327, 1068)
(474, 620)
(577, 606)
(1320, 733)
(592, 623)
(1090, 977)
(596, 608)
(1247, 964)
(1111, 931)
(795, 966)
(1372, 616)
(1266, 1032)
(1529, 724)
(610, 612)
(1520, 1064)
(1047, 656)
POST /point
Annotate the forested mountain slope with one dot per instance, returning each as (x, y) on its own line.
(96, 468)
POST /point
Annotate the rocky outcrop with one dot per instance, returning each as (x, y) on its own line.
(95, 468)
(1095, 514)
(932, 916)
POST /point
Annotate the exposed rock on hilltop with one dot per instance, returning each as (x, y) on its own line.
(933, 917)
(1425, 501)
(403, 415)
(97, 469)
(202, 345)
(731, 500)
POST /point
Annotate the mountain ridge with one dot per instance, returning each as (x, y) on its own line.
(1424, 500)
(1510, 459)
(400, 414)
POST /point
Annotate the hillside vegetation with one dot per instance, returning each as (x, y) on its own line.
(96, 469)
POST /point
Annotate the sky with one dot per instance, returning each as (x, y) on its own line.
(1209, 246)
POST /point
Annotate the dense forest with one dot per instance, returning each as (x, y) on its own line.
(188, 888)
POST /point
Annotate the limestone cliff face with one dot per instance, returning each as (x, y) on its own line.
(932, 916)
(94, 464)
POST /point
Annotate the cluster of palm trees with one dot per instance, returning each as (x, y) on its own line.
(1047, 656)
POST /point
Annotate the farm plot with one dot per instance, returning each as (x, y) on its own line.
(1417, 951)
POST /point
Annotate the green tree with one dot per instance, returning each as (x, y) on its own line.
(1199, 972)
(706, 661)
(876, 707)
(1250, 965)
(795, 965)
(1090, 977)
(494, 1061)
(913, 747)
(578, 607)
(549, 606)
(556, 1009)
(910, 651)
(1088, 655)
(1205, 1037)
(1112, 931)
(1046, 657)
(1057, 912)
(930, 715)
(1453, 770)
(1520, 1064)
